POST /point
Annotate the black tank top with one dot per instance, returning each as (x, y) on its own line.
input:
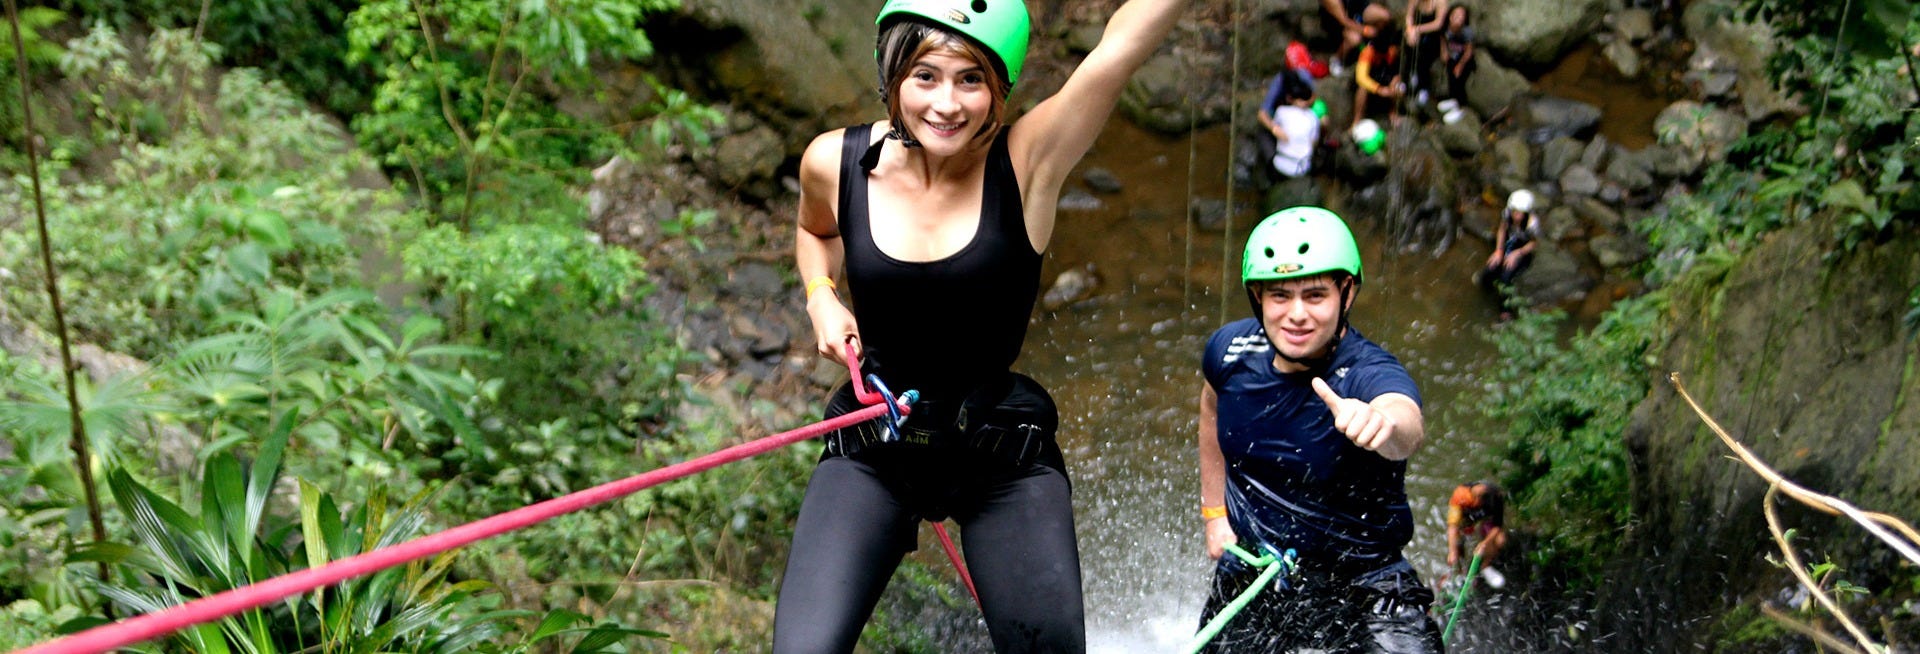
(946, 326)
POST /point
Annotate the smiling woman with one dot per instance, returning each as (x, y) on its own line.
(940, 216)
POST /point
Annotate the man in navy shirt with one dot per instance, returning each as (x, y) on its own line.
(1305, 428)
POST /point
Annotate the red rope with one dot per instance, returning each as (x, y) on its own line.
(953, 554)
(207, 609)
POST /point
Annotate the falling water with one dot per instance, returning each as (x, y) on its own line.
(1124, 367)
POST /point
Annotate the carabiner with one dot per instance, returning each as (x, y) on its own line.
(893, 407)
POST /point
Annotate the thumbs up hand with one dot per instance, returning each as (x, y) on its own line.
(1360, 422)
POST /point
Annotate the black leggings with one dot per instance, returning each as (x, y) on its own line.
(862, 513)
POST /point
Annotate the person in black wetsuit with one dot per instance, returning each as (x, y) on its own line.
(940, 216)
(1305, 431)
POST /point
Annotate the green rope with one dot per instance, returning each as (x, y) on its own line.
(1459, 600)
(1274, 566)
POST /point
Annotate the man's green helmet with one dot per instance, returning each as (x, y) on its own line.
(1001, 26)
(1299, 242)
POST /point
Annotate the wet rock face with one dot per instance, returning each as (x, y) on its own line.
(1810, 366)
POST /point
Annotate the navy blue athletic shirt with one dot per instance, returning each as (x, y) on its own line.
(946, 326)
(1292, 481)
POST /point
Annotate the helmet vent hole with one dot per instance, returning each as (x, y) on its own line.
(1269, 253)
(979, 6)
(1304, 246)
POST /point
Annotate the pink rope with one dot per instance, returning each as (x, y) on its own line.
(207, 609)
(953, 554)
(860, 390)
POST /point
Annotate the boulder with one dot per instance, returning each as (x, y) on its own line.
(1633, 171)
(1597, 214)
(815, 65)
(1102, 181)
(1624, 58)
(1550, 117)
(1580, 181)
(1459, 139)
(1554, 277)
(1558, 154)
(1534, 34)
(1633, 24)
(1618, 251)
(1701, 132)
(1492, 87)
(1512, 159)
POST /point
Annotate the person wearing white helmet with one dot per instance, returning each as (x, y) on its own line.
(1513, 242)
(937, 219)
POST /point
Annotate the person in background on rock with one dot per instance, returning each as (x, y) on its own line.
(1305, 430)
(1348, 18)
(1378, 72)
(1298, 72)
(1457, 52)
(1424, 21)
(941, 215)
(1477, 510)
(1513, 243)
(1292, 115)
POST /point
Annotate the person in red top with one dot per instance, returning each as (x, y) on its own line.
(1477, 510)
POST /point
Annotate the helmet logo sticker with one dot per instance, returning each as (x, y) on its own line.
(956, 16)
(1286, 268)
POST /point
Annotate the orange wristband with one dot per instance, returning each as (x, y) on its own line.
(1211, 512)
(817, 282)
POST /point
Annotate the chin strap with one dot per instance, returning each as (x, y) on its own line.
(872, 158)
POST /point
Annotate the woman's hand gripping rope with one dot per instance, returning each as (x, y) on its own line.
(879, 393)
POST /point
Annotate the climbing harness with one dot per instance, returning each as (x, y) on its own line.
(207, 609)
(1459, 600)
(1273, 566)
(895, 419)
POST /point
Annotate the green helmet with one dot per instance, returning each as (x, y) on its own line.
(1000, 26)
(1368, 135)
(1299, 242)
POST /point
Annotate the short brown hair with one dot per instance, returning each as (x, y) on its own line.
(906, 41)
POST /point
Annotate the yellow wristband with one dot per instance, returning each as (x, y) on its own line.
(1211, 512)
(817, 282)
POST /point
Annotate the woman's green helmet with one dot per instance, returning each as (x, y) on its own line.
(1299, 242)
(1001, 26)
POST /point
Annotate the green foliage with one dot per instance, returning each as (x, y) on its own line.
(1566, 409)
(26, 622)
(238, 539)
(362, 388)
(1875, 29)
(1851, 162)
(41, 53)
(300, 42)
(190, 220)
(460, 105)
(1913, 313)
(563, 311)
(1746, 629)
(222, 238)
